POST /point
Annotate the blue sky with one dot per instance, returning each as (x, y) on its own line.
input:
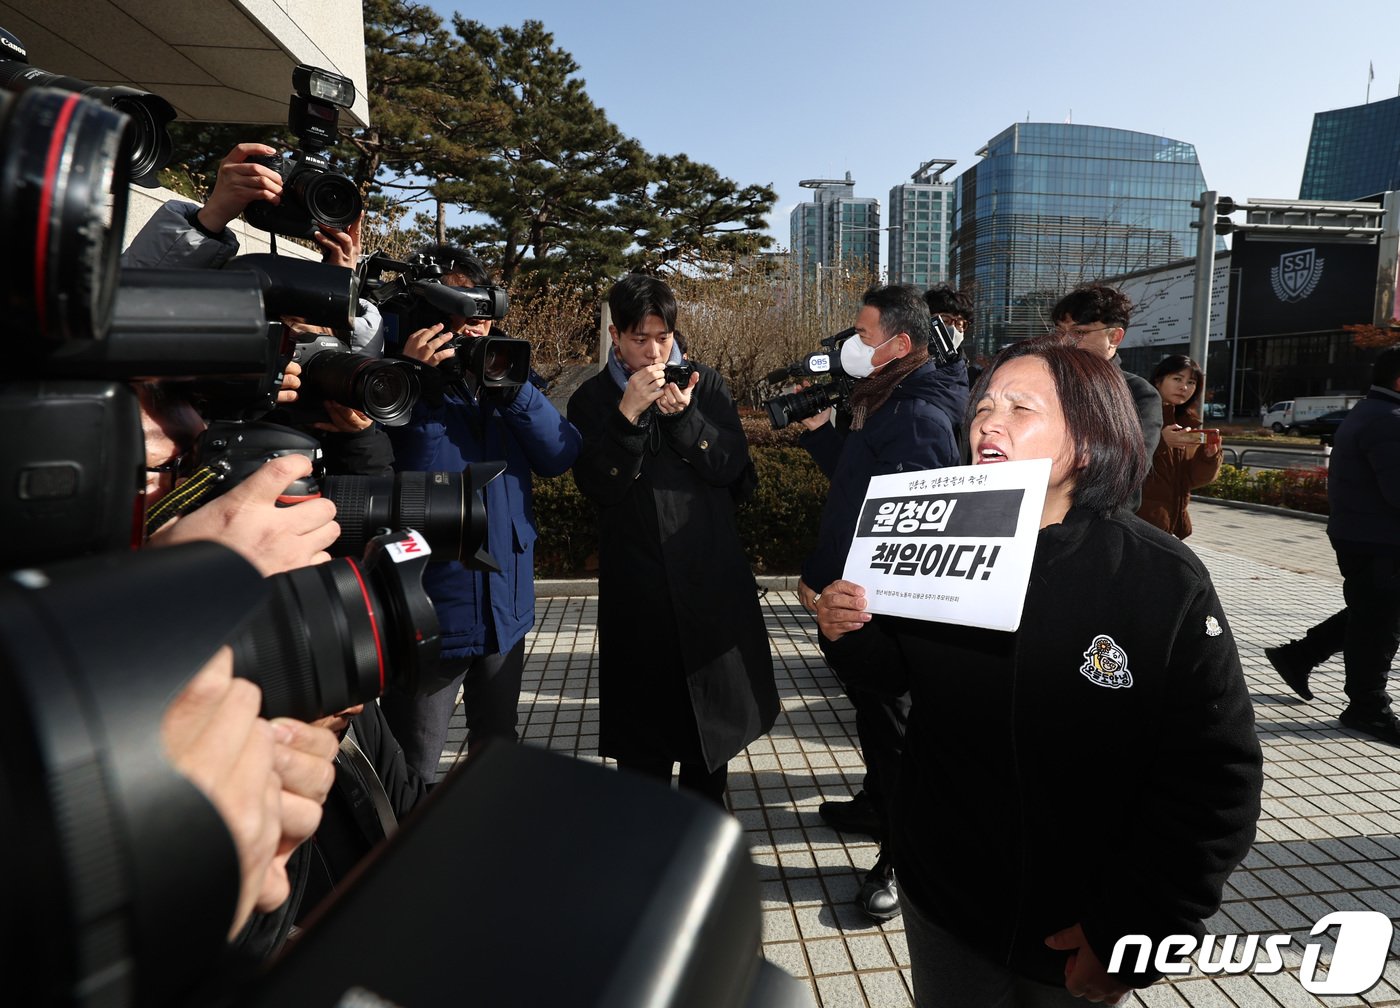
(775, 91)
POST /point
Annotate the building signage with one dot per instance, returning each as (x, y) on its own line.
(1305, 286)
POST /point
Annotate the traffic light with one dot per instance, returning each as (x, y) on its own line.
(1224, 207)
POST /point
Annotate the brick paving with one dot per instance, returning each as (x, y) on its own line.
(1329, 836)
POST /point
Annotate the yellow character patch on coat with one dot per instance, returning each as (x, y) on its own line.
(1106, 664)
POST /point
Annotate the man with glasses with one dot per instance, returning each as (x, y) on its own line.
(1094, 318)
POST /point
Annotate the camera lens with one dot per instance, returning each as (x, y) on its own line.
(445, 507)
(331, 199)
(61, 158)
(386, 390)
(334, 635)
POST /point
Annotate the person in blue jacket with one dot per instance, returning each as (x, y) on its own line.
(484, 617)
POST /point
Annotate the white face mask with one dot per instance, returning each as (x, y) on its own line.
(856, 357)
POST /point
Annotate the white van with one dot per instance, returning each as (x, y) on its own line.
(1284, 415)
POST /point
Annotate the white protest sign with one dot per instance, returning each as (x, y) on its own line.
(953, 545)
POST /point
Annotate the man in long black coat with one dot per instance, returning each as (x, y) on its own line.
(685, 673)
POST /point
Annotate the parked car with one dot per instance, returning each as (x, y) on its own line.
(1323, 427)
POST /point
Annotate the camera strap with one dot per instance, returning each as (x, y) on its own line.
(184, 498)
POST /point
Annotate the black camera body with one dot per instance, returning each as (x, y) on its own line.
(679, 374)
(420, 299)
(313, 196)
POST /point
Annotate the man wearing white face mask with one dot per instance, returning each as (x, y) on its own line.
(904, 415)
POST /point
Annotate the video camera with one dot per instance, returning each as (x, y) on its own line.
(313, 196)
(837, 387)
(150, 147)
(833, 387)
(420, 299)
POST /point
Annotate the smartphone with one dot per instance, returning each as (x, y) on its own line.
(1206, 435)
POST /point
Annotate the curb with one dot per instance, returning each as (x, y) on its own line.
(575, 587)
(1261, 508)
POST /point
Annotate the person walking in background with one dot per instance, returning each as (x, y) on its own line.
(1363, 494)
(685, 674)
(1182, 461)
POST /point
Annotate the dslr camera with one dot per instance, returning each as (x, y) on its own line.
(420, 299)
(313, 196)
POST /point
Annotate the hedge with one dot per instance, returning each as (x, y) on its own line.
(1298, 489)
(778, 526)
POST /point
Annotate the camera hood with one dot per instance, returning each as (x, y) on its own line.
(468, 302)
(319, 293)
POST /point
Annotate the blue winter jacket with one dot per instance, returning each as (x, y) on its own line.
(916, 428)
(531, 437)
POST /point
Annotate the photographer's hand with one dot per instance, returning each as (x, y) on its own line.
(305, 763)
(340, 247)
(291, 381)
(343, 419)
(213, 735)
(247, 519)
(238, 184)
(643, 388)
(674, 399)
(426, 345)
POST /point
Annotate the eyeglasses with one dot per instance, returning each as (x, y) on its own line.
(1079, 332)
(180, 465)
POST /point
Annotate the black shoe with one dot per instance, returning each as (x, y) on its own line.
(1291, 668)
(855, 816)
(879, 895)
(1382, 727)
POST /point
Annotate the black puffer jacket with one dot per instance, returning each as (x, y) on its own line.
(1099, 766)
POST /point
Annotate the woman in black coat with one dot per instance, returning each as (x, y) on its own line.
(684, 670)
(1092, 776)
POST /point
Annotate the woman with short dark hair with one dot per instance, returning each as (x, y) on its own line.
(1184, 459)
(1094, 774)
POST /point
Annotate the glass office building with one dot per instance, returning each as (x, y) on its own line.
(921, 226)
(1353, 152)
(1052, 205)
(835, 230)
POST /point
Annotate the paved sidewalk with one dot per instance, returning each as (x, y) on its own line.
(1329, 837)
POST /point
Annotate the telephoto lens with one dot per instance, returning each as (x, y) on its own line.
(448, 508)
(799, 405)
(336, 634)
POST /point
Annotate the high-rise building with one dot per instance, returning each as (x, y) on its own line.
(1353, 152)
(921, 226)
(836, 229)
(1052, 205)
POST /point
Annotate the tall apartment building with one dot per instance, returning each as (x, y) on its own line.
(921, 226)
(1052, 205)
(835, 229)
(1353, 152)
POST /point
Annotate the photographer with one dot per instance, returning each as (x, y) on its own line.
(185, 235)
(684, 669)
(483, 617)
(904, 415)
